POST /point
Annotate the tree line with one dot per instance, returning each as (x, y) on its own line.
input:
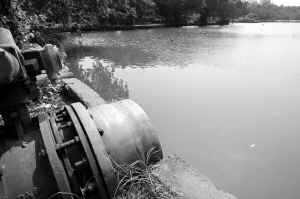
(18, 15)
(269, 11)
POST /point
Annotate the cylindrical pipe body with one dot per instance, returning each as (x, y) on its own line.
(9, 66)
(127, 132)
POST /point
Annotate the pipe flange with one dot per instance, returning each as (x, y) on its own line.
(98, 147)
(88, 153)
(56, 165)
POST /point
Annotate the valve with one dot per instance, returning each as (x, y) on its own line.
(17, 76)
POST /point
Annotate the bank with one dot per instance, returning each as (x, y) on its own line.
(177, 176)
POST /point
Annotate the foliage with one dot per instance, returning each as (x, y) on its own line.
(19, 16)
(249, 18)
(224, 9)
(176, 11)
(267, 11)
(145, 9)
(230, 9)
(13, 18)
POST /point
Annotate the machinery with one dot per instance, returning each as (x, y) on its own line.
(74, 153)
(17, 78)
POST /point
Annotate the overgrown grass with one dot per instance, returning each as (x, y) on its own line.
(140, 180)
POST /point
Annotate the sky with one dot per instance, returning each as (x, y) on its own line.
(287, 2)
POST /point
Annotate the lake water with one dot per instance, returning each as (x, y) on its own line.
(225, 99)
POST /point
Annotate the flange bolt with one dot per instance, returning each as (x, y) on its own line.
(2, 53)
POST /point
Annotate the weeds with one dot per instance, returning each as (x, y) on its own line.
(139, 180)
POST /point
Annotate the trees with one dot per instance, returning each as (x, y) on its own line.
(145, 9)
(176, 11)
(13, 18)
(267, 11)
(224, 9)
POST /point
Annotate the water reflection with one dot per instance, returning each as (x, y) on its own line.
(213, 91)
(100, 77)
(122, 57)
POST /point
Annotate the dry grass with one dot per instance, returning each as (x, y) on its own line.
(51, 98)
(139, 180)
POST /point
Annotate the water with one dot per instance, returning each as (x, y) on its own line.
(225, 99)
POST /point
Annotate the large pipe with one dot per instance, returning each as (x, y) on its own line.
(9, 66)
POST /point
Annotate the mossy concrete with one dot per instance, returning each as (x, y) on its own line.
(81, 92)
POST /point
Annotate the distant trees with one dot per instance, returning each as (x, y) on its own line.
(269, 11)
(176, 11)
(224, 9)
(229, 9)
(19, 14)
(145, 9)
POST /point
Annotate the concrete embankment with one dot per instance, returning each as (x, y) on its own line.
(172, 171)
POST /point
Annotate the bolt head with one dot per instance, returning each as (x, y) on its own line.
(2, 53)
(43, 153)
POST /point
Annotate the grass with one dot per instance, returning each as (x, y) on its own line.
(140, 180)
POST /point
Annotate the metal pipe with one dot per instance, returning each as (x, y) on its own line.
(6, 38)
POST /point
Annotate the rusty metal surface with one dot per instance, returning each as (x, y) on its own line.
(89, 153)
(98, 148)
(58, 170)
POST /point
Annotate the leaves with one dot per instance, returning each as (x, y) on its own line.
(51, 99)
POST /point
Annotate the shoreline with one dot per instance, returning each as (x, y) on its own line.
(59, 29)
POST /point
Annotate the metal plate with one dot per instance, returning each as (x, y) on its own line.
(57, 168)
(89, 153)
(98, 147)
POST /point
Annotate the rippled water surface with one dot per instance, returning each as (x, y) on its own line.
(225, 99)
